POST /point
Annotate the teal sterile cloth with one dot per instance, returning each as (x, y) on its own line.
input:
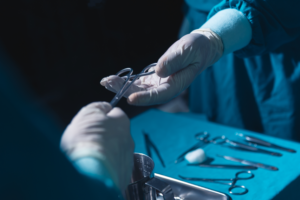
(173, 134)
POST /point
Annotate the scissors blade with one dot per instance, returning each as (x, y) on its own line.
(246, 162)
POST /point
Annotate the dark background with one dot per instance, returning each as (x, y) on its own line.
(63, 48)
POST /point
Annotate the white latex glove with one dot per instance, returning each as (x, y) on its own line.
(103, 133)
(175, 70)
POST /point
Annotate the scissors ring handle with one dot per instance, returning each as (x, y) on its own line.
(219, 140)
(202, 135)
(238, 193)
(250, 175)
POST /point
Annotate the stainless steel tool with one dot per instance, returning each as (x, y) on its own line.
(142, 186)
(257, 141)
(203, 137)
(149, 144)
(225, 166)
(186, 191)
(251, 163)
(222, 140)
(129, 80)
(245, 147)
(232, 182)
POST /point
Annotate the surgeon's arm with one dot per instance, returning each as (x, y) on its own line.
(98, 141)
(94, 169)
(227, 31)
(247, 28)
(233, 28)
(273, 23)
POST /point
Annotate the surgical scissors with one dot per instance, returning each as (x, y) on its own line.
(129, 77)
(223, 141)
(231, 182)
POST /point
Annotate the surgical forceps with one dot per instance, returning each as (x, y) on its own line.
(222, 140)
(149, 144)
(231, 182)
(129, 77)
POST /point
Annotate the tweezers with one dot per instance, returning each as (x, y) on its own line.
(256, 141)
(149, 144)
(129, 77)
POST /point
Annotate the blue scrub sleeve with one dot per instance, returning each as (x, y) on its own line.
(273, 22)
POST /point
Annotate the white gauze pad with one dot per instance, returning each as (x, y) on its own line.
(196, 156)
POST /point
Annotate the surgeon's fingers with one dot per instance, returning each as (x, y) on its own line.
(178, 56)
(92, 109)
(167, 60)
(103, 106)
(118, 113)
(126, 146)
(115, 83)
(174, 85)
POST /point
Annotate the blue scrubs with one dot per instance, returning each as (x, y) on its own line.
(257, 87)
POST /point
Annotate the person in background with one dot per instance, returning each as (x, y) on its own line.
(97, 156)
(254, 78)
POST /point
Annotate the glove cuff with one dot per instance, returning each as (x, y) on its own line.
(92, 150)
(85, 149)
(216, 42)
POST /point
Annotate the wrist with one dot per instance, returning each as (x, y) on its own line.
(215, 43)
(93, 150)
(233, 28)
(85, 149)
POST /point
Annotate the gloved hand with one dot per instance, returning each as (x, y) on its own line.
(103, 133)
(175, 70)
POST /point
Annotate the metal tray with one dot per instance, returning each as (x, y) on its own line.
(186, 191)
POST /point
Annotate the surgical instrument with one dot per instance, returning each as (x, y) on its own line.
(129, 77)
(231, 182)
(203, 142)
(225, 166)
(150, 144)
(181, 156)
(256, 141)
(203, 136)
(246, 162)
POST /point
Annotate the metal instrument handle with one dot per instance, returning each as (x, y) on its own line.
(128, 77)
(242, 146)
(231, 190)
(254, 140)
(239, 177)
(202, 136)
(257, 141)
(225, 166)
